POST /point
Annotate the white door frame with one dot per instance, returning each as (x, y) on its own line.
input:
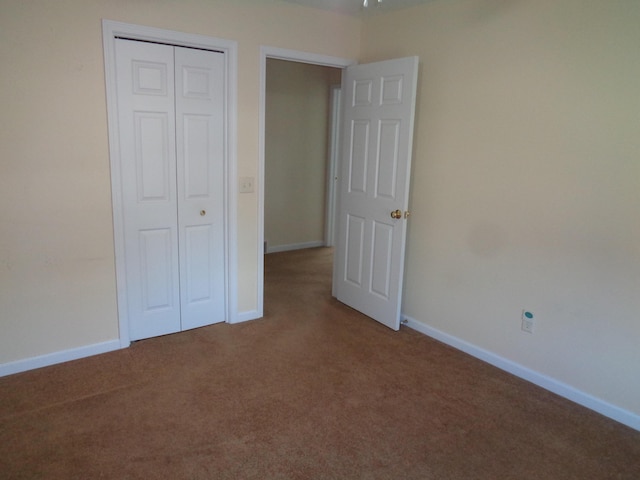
(293, 56)
(110, 31)
(332, 167)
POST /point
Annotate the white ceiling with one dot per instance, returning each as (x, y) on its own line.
(354, 7)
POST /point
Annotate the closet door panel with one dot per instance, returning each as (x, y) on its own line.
(200, 188)
(146, 117)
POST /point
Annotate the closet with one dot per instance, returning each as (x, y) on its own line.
(170, 109)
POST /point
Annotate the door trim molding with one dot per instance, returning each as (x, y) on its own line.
(111, 30)
(293, 56)
(335, 125)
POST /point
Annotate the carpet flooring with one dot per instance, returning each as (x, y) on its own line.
(314, 390)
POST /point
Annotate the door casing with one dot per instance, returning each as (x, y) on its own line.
(110, 31)
(335, 126)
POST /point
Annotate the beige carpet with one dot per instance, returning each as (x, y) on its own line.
(312, 391)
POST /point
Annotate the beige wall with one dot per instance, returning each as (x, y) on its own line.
(526, 181)
(296, 135)
(57, 275)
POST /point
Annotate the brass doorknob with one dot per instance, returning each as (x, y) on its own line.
(203, 213)
(396, 214)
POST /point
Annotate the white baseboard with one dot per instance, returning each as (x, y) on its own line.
(54, 358)
(294, 246)
(246, 316)
(58, 357)
(567, 391)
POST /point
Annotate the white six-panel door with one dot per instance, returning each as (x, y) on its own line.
(170, 116)
(378, 107)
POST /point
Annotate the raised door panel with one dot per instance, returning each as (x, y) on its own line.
(357, 159)
(157, 279)
(197, 152)
(387, 159)
(354, 253)
(152, 157)
(381, 258)
(198, 286)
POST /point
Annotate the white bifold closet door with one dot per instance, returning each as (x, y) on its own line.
(170, 115)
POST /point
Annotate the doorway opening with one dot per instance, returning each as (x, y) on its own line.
(301, 126)
(297, 188)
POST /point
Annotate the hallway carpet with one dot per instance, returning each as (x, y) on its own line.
(314, 390)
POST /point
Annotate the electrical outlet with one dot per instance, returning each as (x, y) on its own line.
(246, 185)
(528, 321)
